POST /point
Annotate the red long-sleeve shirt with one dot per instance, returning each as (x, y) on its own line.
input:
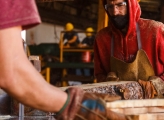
(126, 47)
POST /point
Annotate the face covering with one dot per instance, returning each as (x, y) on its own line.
(120, 21)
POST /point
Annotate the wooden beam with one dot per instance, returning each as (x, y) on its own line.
(58, 17)
(102, 17)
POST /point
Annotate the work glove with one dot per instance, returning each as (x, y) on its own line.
(81, 105)
(148, 89)
(158, 84)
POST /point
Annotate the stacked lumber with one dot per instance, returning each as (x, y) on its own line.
(145, 109)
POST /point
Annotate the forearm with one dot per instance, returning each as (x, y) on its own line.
(21, 80)
(31, 89)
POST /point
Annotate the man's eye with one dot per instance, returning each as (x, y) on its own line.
(120, 4)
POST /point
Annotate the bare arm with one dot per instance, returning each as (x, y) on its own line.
(21, 80)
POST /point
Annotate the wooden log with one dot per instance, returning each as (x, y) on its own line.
(102, 84)
(114, 88)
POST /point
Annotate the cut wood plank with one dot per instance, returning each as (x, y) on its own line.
(140, 110)
(156, 109)
(155, 116)
(131, 111)
(135, 103)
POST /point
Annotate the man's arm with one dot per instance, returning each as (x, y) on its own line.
(73, 39)
(21, 80)
(98, 71)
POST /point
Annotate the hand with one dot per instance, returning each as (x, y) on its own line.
(148, 89)
(158, 84)
(80, 45)
(66, 45)
(112, 77)
(87, 106)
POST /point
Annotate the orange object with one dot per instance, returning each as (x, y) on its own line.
(86, 56)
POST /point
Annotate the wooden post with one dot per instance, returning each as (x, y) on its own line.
(102, 17)
(162, 11)
(48, 74)
(61, 47)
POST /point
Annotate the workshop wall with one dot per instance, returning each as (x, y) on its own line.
(46, 33)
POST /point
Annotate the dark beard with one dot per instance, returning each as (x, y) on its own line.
(120, 21)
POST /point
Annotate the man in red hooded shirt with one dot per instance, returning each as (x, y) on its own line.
(130, 48)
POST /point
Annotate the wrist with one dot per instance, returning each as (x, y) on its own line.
(65, 104)
(71, 107)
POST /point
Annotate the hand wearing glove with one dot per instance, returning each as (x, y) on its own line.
(81, 105)
(153, 88)
(158, 84)
(148, 89)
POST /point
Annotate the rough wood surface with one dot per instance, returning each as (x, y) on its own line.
(115, 88)
(93, 85)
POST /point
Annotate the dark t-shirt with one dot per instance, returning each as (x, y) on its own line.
(88, 40)
(18, 12)
(69, 35)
